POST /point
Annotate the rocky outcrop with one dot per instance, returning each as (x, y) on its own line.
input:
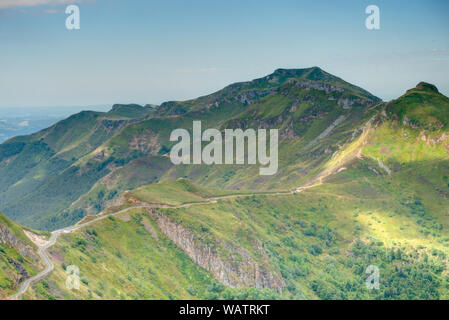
(434, 140)
(327, 131)
(23, 273)
(321, 86)
(250, 97)
(113, 125)
(146, 142)
(237, 270)
(9, 239)
(384, 167)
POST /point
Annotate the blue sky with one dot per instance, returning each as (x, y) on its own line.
(150, 51)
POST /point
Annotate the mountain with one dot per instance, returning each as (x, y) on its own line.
(80, 165)
(422, 107)
(35, 169)
(380, 200)
(360, 183)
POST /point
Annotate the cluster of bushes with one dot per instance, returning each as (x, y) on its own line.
(216, 291)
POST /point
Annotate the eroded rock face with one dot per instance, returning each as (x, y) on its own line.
(239, 270)
(147, 143)
(327, 88)
(23, 273)
(112, 125)
(9, 239)
(250, 97)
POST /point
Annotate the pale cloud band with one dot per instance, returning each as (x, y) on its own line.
(32, 3)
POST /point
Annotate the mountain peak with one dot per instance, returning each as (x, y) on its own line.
(424, 86)
(297, 73)
(422, 107)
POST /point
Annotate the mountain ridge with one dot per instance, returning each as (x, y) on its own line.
(317, 113)
(369, 187)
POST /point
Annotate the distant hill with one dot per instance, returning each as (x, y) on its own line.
(18, 121)
(34, 169)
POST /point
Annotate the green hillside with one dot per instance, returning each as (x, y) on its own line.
(422, 107)
(35, 169)
(316, 245)
(381, 200)
(335, 111)
(81, 165)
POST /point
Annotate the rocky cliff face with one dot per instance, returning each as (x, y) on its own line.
(239, 270)
(9, 239)
(23, 274)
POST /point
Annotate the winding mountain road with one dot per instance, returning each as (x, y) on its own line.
(49, 266)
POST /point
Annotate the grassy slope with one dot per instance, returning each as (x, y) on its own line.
(121, 259)
(127, 257)
(424, 106)
(91, 148)
(322, 240)
(34, 169)
(140, 150)
(171, 192)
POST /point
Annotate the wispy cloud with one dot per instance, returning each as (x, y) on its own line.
(4, 4)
